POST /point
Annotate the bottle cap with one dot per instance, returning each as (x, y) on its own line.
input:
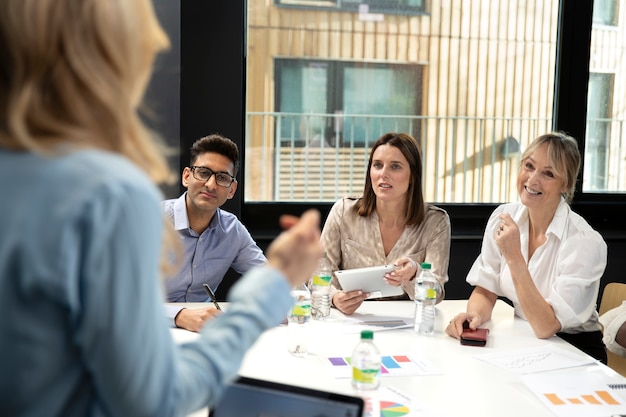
(367, 334)
(425, 265)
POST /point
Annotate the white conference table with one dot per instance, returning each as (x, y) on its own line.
(466, 386)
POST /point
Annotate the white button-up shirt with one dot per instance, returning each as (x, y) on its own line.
(566, 269)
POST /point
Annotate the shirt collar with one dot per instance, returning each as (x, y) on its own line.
(559, 221)
(556, 226)
(181, 221)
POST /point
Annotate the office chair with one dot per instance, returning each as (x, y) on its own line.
(613, 295)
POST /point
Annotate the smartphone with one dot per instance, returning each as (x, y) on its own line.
(471, 337)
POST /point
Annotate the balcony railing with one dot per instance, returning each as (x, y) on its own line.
(323, 157)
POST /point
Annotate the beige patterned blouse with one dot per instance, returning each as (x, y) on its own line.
(353, 241)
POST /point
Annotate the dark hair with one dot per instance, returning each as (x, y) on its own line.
(218, 144)
(415, 210)
(563, 154)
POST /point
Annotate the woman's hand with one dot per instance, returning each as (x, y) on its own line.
(455, 327)
(296, 251)
(405, 270)
(507, 237)
(348, 302)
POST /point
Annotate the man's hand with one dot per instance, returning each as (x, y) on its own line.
(193, 319)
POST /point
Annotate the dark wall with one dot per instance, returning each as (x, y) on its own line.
(212, 58)
(465, 246)
(199, 88)
(162, 101)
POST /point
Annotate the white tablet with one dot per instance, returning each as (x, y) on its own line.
(370, 279)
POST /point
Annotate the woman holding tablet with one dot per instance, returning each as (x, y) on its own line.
(389, 224)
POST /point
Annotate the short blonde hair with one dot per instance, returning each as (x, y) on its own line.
(75, 72)
(564, 156)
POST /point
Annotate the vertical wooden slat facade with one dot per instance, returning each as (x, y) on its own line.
(608, 55)
(482, 59)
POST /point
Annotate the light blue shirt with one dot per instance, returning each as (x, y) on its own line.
(225, 243)
(80, 242)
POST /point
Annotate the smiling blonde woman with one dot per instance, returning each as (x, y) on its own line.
(538, 253)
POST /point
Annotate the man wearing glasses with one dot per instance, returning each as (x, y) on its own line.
(213, 240)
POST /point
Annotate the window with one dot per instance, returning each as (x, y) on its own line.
(604, 12)
(362, 6)
(345, 104)
(604, 169)
(473, 83)
(597, 152)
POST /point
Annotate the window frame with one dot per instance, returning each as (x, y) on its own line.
(220, 107)
(336, 76)
(371, 6)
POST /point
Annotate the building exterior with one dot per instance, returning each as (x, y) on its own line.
(472, 80)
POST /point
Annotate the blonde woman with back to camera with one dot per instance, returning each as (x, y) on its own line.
(83, 329)
(539, 254)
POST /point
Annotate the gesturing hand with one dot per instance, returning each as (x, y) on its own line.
(297, 251)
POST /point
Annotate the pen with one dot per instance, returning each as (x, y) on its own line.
(208, 291)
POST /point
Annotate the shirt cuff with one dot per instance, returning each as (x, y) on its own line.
(171, 312)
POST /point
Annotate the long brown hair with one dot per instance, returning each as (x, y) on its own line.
(415, 209)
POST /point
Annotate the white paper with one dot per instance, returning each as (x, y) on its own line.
(356, 323)
(390, 401)
(576, 394)
(538, 359)
(392, 365)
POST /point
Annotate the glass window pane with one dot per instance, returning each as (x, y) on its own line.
(372, 97)
(472, 81)
(605, 150)
(604, 12)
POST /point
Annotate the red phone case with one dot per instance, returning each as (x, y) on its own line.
(476, 337)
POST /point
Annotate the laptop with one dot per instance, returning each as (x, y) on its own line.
(249, 397)
(369, 279)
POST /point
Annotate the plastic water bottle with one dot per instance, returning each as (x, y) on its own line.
(427, 288)
(298, 321)
(366, 363)
(320, 290)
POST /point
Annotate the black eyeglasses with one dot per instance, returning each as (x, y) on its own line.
(203, 174)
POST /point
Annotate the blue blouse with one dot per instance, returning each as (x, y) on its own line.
(82, 330)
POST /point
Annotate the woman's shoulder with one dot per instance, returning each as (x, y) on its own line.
(433, 210)
(94, 167)
(346, 203)
(579, 226)
(436, 217)
(87, 175)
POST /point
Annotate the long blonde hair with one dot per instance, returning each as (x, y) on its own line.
(75, 72)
